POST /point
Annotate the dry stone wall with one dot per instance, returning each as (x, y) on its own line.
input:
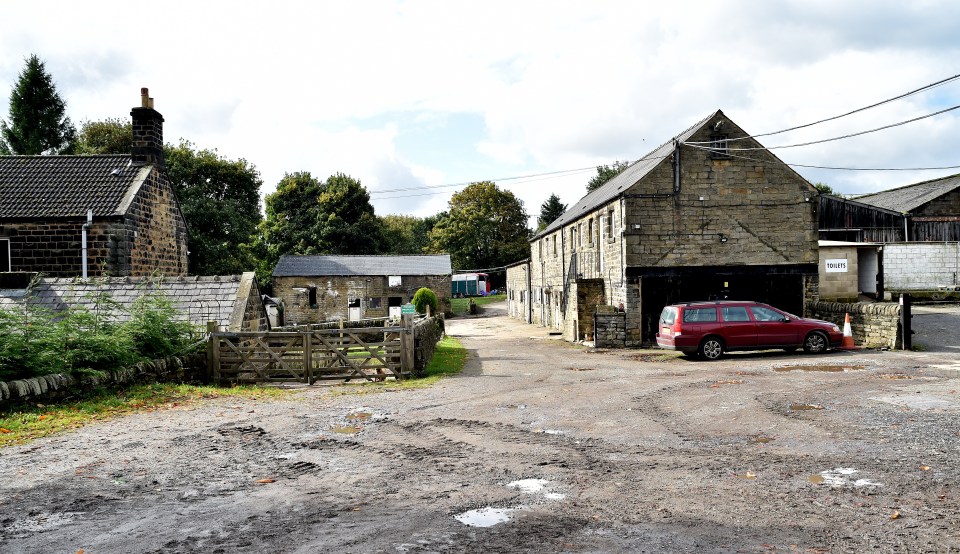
(873, 325)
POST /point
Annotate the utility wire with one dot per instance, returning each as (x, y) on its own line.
(858, 110)
(897, 124)
(827, 166)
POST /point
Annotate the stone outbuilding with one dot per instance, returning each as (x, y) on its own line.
(233, 301)
(135, 226)
(710, 214)
(314, 289)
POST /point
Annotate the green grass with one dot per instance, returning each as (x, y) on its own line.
(39, 420)
(461, 305)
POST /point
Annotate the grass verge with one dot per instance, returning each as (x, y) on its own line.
(448, 359)
(461, 305)
(39, 420)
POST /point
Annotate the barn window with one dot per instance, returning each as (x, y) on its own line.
(5, 264)
(610, 226)
(719, 146)
(375, 303)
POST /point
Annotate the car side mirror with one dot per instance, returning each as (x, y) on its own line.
(786, 320)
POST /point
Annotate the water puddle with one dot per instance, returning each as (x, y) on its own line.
(894, 376)
(517, 407)
(536, 486)
(801, 407)
(841, 477)
(825, 368)
(346, 429)
(582, 368)
(549, 431)
(359, 416)
(485, 517)
(761, 439)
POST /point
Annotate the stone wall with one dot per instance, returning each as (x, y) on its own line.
(610, 328)
(159, 232)
(333, 295)
(518, 293)
(839, 286)
(909, 266)
(60, 385)
(426, 334)
(874, 325)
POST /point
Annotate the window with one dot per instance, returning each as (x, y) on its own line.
(393, 281)
(738, 313)
(312, 298)
(699, 315)
(540, 249)
(555, 239)
(718, 146)
(5, 263)
(590, 229)
(395, 301)
(610, 225)
(580, 234)
(375, 303)
(573, 237)
(765, 314)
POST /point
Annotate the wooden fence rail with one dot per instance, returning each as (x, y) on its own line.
(368, 353)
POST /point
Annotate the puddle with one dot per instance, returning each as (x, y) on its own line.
(529, 486)
(582, 368)
(517, 406)
(841, 477)
(894, 376)
(359, 416)
(346, 429)
(800, 407)
(824, 368)
(554, 496)
(485, 517)
(762, 439)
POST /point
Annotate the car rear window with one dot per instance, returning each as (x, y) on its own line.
(699, 315)
(668, 316)
(735, 313)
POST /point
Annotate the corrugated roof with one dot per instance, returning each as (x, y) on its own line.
(908, 198)
(197, 299)
(65, 186)
(626, 179)
(317, 266)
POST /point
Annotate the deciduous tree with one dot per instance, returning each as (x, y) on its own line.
(38, 122)
(110, 136)
(605, 173)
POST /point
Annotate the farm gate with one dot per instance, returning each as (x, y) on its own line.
(310, 354)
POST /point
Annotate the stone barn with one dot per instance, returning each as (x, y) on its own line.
(313, 289)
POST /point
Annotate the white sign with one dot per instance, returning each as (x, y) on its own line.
(394, 280)
(836, 266)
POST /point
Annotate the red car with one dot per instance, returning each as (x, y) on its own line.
(712, 328)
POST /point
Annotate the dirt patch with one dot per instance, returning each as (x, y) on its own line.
(521, 453)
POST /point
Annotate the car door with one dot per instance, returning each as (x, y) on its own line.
(739, 331)
(772, 330)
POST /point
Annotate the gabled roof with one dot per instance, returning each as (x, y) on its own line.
(68, 186)
(626, 179)
(908, 198)
(196, 299)
(319, 266)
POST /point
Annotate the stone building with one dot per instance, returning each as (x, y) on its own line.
(135, 227)
(313, 289)
(232, 301)
(709, 214)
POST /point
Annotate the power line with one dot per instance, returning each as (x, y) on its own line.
(465, 183)
(831, 167)
(897, 124)
(858, 110)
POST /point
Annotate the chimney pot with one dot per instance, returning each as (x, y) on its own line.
(145, 98)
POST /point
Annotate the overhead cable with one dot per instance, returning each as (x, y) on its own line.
(739, 157)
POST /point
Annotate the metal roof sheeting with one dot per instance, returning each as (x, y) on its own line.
(908, 198)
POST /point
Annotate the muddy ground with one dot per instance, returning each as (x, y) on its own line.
(577, 450)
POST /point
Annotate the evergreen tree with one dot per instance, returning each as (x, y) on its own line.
(38, 122)
(550, 211)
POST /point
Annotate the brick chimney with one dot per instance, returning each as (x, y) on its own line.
(147, 132)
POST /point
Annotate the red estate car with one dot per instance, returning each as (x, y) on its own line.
(712, 328)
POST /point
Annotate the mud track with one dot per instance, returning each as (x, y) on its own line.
(583, 451)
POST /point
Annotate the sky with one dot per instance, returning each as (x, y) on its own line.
(411, 97)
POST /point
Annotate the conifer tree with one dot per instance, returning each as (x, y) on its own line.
(38, 123)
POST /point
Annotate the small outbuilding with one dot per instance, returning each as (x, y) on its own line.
(313, 289)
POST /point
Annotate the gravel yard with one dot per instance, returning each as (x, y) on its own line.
(538, 446)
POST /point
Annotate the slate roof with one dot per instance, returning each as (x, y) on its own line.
(67, 186)
(197, 299)
(626, 179)
(318, 266)
(908, 198)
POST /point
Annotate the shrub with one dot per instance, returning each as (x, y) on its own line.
(425, 297)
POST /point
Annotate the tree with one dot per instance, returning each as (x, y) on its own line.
(110, 136)
(823, 188)
(305, 216)
(485, 227)
(605, 173)
(425, 297)
(220, 201)
(407, 234)
(550, 211)
(38, 122)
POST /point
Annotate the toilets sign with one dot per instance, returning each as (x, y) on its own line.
(836, 266)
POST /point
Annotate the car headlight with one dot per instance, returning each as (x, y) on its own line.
(836, 329)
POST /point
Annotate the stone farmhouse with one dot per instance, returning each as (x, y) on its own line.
(710, 214)
(134, 226)
(314, 289)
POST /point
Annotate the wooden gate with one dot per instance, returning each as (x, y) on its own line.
(368, 353)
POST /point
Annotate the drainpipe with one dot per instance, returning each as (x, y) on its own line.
(676, 166)
(906, 229)
(83, 242)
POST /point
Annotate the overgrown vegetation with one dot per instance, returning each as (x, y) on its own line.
(36, 341)
(462, 305)
(40, 420)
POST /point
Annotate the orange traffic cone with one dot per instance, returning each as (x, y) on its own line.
(847, 342)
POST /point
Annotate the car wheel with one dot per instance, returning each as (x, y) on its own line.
(815, 343)
(711, 348)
